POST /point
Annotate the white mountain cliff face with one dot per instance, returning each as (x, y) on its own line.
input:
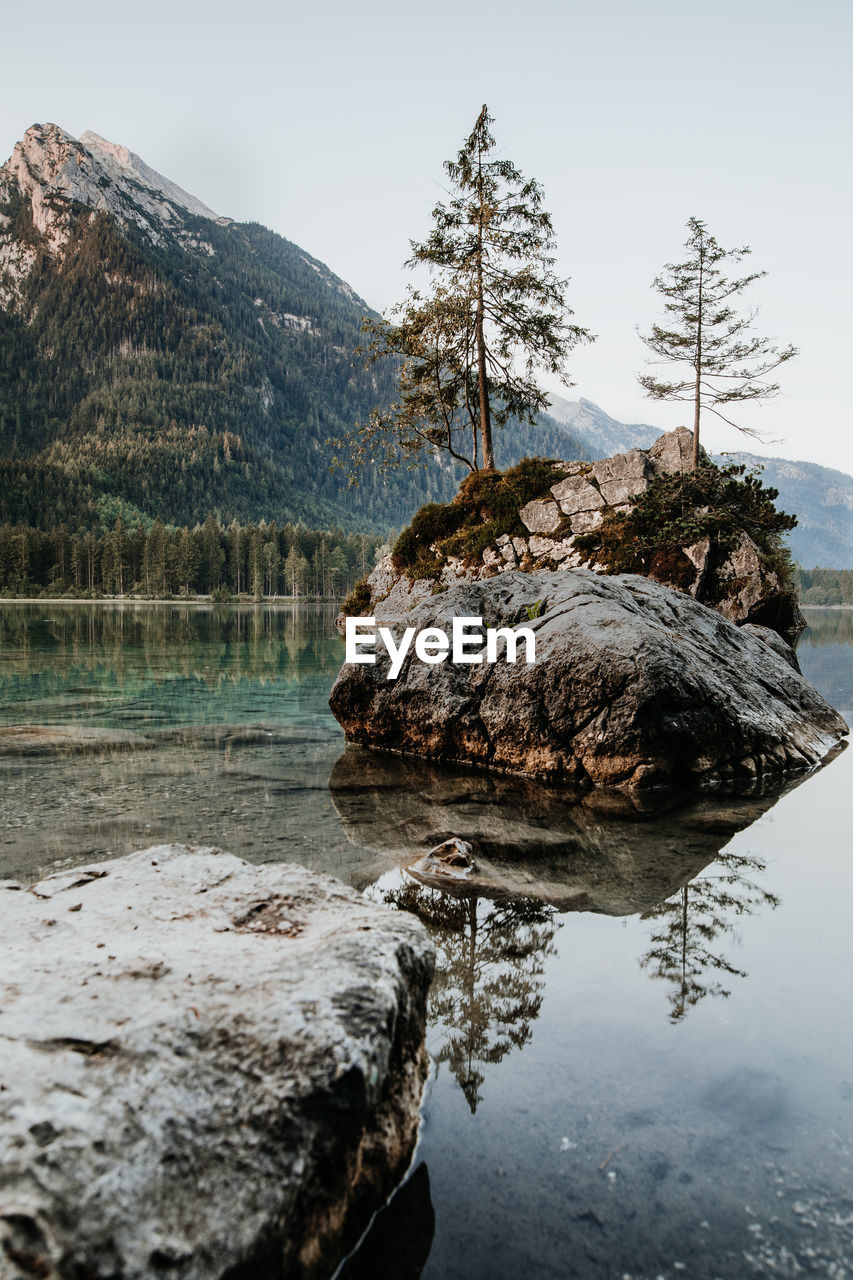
(53, 173)
(125, 166)
(591, 422)
(50, 171)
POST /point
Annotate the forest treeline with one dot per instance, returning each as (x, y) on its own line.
(149, 558)
(156, 560)
(825, 586)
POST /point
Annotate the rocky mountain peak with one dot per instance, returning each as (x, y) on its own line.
(596, 426)
(52, 171)
(124, 165)
(49, 163)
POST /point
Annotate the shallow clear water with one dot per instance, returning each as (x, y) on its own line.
(642, 1042)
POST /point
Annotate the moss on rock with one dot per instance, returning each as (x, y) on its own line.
(486, 506)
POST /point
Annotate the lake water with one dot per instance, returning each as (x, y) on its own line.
(642, 1039)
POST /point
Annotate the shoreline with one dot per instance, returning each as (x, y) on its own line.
(239, 600)
(196, 600)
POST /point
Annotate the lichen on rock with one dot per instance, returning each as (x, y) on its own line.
(208, 1068)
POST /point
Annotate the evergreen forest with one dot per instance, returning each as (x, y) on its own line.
(825, 586)
(157, 561)
(201, 374)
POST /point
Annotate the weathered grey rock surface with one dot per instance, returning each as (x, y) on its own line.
(633, 683)
(206, 1068)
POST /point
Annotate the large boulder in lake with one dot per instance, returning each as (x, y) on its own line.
(207, 1068)
(633, 683)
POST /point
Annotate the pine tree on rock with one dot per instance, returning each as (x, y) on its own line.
(492, 318)
(723, 362)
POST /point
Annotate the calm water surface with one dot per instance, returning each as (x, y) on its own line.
(642, 1037)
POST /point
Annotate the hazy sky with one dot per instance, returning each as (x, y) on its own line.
(330, 125)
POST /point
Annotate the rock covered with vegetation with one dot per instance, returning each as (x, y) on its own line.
(225, 1081)
(712, 532)
(633, 684)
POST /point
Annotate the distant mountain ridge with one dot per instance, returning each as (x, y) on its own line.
(602, 431)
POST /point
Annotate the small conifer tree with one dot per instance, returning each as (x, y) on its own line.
(493, 317)
(723, 362)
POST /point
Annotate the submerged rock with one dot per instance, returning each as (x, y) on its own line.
(452, 858)
(633, 683)
(207, 1068)
(67, 739)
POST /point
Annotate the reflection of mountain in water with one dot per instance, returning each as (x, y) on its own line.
(593, 851)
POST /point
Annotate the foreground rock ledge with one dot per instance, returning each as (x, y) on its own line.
(634, 684)
(206, 1068)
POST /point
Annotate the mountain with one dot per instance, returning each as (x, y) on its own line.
(822, 500)
(156, 358)
(602, 432)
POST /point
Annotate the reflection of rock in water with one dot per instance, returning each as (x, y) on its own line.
(685, 943)
(490, 961)
(591, 851)
(398, 1243)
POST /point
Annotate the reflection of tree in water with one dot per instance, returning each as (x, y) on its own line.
(682, 947)
(142, 645)
(488, 982)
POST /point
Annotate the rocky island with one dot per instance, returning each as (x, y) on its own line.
(668, 676)
(548, 514)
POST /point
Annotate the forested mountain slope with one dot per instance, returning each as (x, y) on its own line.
(157, 358)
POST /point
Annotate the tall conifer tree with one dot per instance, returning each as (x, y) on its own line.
(493, 318)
